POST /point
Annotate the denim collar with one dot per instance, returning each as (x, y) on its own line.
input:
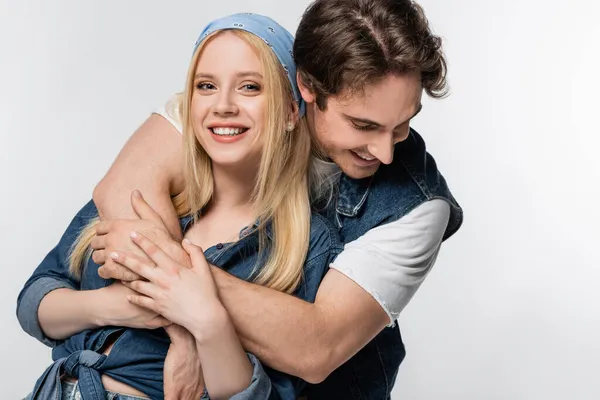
(353, 192)
(186, 222)
(352, 195)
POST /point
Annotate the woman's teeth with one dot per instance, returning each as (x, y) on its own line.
(228, 131)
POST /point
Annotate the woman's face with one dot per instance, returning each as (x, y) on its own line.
(229, 102)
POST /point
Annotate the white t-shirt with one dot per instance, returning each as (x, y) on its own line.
(392, 260)
(170, 111)
(389, 261)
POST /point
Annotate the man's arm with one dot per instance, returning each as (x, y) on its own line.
(367, 287)
(300, 338)
(151, 161)
(369, 284)
(286, 333)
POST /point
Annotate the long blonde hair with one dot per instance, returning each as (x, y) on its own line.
(280, 195)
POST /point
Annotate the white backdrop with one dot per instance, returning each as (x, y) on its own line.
(511, 308)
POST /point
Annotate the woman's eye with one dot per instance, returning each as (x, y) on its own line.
(251, 87)
(205, 86)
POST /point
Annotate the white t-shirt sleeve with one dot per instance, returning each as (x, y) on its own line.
(170, 111)
(391, 261)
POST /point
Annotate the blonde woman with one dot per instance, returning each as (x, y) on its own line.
(246, 204)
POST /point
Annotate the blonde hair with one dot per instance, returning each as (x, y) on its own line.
(280, 196)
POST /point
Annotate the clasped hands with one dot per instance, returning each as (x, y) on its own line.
(169, 282)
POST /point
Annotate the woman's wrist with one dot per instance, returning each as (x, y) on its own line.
(213, 321)
(99, 307)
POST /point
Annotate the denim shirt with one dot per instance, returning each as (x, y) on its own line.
(137, 356)
(395, 190)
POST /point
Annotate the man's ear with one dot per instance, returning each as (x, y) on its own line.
(307, 93)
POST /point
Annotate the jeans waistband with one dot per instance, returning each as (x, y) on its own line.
(70, 391)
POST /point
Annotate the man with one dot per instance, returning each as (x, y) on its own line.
(363, 65)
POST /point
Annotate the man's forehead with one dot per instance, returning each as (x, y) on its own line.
(381, 108)
(391, 85)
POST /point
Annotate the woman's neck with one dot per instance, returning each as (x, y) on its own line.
(229, 210)
(233, 186)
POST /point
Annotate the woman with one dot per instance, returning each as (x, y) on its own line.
(246, 201)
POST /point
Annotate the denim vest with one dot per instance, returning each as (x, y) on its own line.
(137, 356)
(395, 190)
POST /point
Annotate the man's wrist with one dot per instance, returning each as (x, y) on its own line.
(222, 278)
(178, 254)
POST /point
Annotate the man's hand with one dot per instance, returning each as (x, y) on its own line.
(116, 310)
(113, 235)
(183, 373)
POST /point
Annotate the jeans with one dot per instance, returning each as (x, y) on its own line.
(70, 391)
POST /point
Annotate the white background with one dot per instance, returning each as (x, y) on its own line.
(511, 309)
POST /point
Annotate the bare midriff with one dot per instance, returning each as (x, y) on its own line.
(111, 384)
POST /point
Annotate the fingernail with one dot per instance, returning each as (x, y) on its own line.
(133, 235)
(137, 193)
(114, 255)
(187, 241)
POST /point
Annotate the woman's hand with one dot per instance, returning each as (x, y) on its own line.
(187, 297)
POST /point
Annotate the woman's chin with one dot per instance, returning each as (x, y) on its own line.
(232, 160)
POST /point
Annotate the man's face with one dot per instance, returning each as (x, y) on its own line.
(359, 132)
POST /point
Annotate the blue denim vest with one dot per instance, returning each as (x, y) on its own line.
(395, 190)
(137, 356)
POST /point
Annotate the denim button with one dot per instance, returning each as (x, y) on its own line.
(219, 246)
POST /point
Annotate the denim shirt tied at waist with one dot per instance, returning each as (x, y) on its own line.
(137, 356)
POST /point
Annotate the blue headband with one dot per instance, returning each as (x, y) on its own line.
(273, 34)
